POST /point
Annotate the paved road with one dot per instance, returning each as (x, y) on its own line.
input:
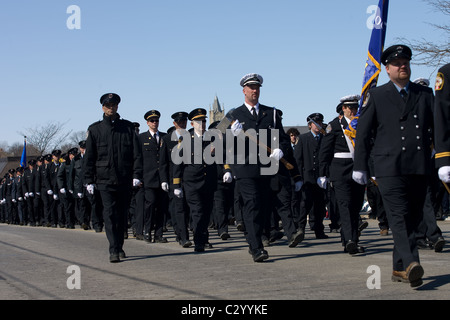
(34, 264)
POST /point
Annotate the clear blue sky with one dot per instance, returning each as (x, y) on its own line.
(178, 55)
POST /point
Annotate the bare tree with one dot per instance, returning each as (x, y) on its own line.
(46, 137)
(76, 137)
(427, 52)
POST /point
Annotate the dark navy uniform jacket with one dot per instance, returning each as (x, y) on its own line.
(402, 132)
(306, 155)
(265, 121)
(334, 142)
(151, 149)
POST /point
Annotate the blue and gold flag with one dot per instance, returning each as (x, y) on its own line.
(373, 64)
(23, 160)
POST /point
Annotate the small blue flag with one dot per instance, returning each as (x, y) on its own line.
(23, 160)
(373, 64)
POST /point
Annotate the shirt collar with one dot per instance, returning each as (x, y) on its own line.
(249, 107)
(314, 135)
(406, 88)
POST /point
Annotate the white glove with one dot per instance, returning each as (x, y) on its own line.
(322, 182)
(71, 191)
(27, 194)
(165, 186)
(55, 197)
(90, 188)
(50, 192)
(178, 193)
(14, 200)
(20, 199)
(444, 174)
(227, 178)
(136, 182)
(62, 190)
(80, 195)
(277, 154)
(38, 194)
(31, 194)
(236, 128)
(298, 186)
(360, 177)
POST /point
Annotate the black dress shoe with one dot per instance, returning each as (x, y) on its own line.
(185, 243)
(224, 236)
(422, 244)
(122, 255)
(199, 248)
(260, 255)
(113, 258)
(240, 226)
(439, 244)
(351, 247)
(363, 225)
(296, 238)
(360, 249)
(160, 240)
(139, 237)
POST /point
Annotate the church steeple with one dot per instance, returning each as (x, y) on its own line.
(217, 112)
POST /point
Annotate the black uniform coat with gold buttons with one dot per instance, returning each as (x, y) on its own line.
(151, 158)
(402, 131)
(195, 174)
(442, 117)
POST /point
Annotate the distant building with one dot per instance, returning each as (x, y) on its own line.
(8, 163)
(217, 112)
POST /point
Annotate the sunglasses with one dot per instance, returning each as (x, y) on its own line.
(153, 120)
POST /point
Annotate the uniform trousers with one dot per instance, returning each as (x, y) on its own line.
(139, 212)
(283, 205)
(314, 205)
(255, 194)
(154, 211)
(403, 198)
(223, 202)
(115, 208)
(376, 203)
(200, 202)
(349, 197)
(31, 209)
(94, 211)
(180, 216)
(428, 228)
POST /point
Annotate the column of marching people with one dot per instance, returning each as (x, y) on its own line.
(314, 179)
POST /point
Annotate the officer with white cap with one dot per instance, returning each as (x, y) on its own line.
(253, 185)
(336, 166)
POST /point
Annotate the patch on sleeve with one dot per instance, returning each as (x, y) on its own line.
(366, 100)
(329, 128)
(439, 81)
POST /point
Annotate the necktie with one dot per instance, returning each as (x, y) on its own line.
(254, 113)
(404, 94)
